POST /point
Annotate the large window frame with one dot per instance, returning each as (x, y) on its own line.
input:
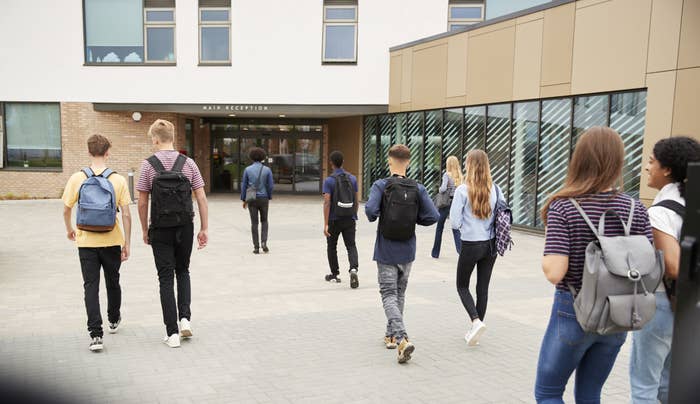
(456, 24)
(158, 24)
(343, 23)
(4, 149)
(214, 24)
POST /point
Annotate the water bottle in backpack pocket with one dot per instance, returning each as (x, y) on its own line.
(97, 204)
(620, 277)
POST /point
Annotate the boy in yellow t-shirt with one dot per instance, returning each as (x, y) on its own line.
(100, 249)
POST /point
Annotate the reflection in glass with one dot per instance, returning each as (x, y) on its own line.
(307, 165)
(161, 44)
(401, 129)
(386, 140)
(589, 111)
(555, 135)
(523, 162)
(432, 151)
(340, 42)
(498, 144)
(452, 134)
(627, 113)
(33, 133)
(415, 144)
(369, 153)
(215, 44)
(226, 170)
(474, 129)
(114, 31)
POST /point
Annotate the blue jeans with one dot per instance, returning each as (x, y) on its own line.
(650, 363)
(565, 348)
(444, 212)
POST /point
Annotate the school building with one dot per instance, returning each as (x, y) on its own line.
(305, 77)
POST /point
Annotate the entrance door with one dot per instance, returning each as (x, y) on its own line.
(307, 171)
(280, 159)
(225, 164)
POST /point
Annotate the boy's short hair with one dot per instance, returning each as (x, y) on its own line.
(336, 158)
(256, 154)
(98, 145)
(400, 152)
(163, 130)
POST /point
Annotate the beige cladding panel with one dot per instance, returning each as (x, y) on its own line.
(557, 44)
(490, 66)
(528, 59)
(557, 90)
(457, 66)
(395, 78)
(689, 52)
(406, 75)
(686, 106)
(610, 46)
(429, 77)
(658, 120)
(664, 34)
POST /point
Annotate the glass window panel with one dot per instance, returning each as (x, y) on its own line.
(432, 151)
(553, 159)
(589, 111)
(474, 129)
(415, 144)
(307, 164)
(160, 16)
(452, 134)
(369, 154)
(308, 128)
(627, 112)
(457, 27)
(523, 162)
(340, 42)
(401, 121)
(113, 31)
(335, 13)
(189, 138)
(33, 135)
(460, 12)
(214, 15)
(161, 44)
(215, 44)
(387, 130)
(498, 144)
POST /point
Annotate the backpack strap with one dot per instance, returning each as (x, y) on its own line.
(672, 205)
(627, 227)
(107, 172)
(179, 163)
(260, 175)
(88, 171)
(585, 216)
(156, 164)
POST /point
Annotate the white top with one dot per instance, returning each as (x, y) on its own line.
(462, 219)
(666, 220)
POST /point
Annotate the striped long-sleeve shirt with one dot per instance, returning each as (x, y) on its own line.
(568, 234)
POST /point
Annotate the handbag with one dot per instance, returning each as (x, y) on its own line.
(251, 192)
(442, 199)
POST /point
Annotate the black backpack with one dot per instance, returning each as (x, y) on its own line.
(399, 211)
(171, 195)
(343, 196)
(670, 284)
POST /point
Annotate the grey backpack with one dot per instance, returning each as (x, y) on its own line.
(620, 276)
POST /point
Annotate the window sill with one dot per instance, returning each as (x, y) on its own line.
(130, 64)
(33, 169)
(331, 63)
(215, 64)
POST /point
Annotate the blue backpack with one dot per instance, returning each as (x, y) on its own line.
(97, 205)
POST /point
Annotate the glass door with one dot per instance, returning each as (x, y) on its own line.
(225, 164)
(280, 159)
(307, 167)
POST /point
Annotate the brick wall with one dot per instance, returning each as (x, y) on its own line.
(130, 145)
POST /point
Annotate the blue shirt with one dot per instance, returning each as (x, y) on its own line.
(392, 252)
(462, 218)
(250, 177)
(329, 186)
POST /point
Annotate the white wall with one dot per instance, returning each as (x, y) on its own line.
(276, 55)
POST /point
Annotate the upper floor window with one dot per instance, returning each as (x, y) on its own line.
(340, 31)
(463, 13)
(33, 135)
(214, 31)
(116, 31)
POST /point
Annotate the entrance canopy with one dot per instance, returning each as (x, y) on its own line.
(251, 110)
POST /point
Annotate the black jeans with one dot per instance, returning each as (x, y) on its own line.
(346, 227)
(172, 247)
(255, 207)
(479, 254)
(91, 259)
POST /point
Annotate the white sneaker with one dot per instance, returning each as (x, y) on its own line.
(185, 328)
(472, 337)
(172, 341)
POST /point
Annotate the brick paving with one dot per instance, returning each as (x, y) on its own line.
(267, 328)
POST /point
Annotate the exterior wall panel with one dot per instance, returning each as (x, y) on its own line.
(557, 44)
(528, 60)
(490, 66)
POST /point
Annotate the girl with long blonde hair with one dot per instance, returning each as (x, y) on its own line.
(472, 215)
(450, 180)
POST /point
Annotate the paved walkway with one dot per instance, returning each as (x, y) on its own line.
(267, 328)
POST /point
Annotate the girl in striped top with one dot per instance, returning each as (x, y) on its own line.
(594, 180)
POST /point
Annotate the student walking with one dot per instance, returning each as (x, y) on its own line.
(340, 217)
(451, 179)
(400, 203)
(650, 361)
(99, 192)
(168, 178)
(256, 192)
(472, 216)
(594, 172)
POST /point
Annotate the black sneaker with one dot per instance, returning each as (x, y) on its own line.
(256, 251)
(96, 344)
(113, 327)
(265, 249)
(332, 278)
(354, 280)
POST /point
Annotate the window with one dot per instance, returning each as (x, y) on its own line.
(33, 132)
(462, 14)
(116, 31)
(214, 32)
(189, 138)
(340, 31)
